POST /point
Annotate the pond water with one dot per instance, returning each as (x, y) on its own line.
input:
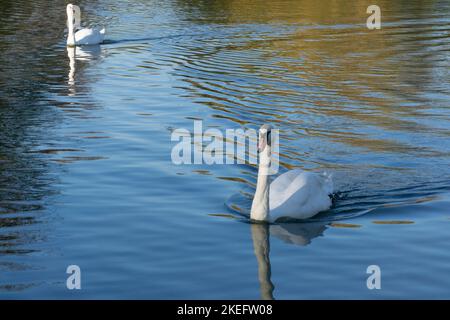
(86, 176)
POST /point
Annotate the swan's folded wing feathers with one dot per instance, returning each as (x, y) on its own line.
(300, 195)
(283, 181)
(88, 36)
(287, 189)
(283, 187)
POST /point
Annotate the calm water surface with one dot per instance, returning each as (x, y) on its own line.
(86, 176)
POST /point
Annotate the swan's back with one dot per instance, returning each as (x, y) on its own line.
(89, 36)
(299, 194)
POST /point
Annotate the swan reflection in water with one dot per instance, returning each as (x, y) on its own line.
(86, 53)
(293, 233)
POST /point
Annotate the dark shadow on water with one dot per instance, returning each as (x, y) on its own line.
(146, 39)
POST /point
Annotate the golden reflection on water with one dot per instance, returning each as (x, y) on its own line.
(393, 222)
(344, 225)
(333, 69)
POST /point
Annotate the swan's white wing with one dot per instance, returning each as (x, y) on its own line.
(284, 185)
(89, 36)
(299, 194)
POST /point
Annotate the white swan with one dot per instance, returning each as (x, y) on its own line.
(295, 194)
(83, 36)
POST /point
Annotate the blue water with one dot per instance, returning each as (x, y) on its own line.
(86, 176)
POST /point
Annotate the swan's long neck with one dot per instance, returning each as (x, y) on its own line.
(70, 27)
(260, 206)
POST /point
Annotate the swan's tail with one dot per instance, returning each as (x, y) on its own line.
(327, 182)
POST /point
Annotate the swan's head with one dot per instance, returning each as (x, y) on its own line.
(265, 137)
(69, 10)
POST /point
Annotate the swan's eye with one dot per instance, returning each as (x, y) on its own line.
(269, 137)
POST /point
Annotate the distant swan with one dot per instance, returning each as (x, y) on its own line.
(81, 36)
(295, 194)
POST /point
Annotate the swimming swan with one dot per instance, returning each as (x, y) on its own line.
(295, 194)
(83, 36)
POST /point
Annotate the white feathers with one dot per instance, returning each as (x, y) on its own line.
(299, 194)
